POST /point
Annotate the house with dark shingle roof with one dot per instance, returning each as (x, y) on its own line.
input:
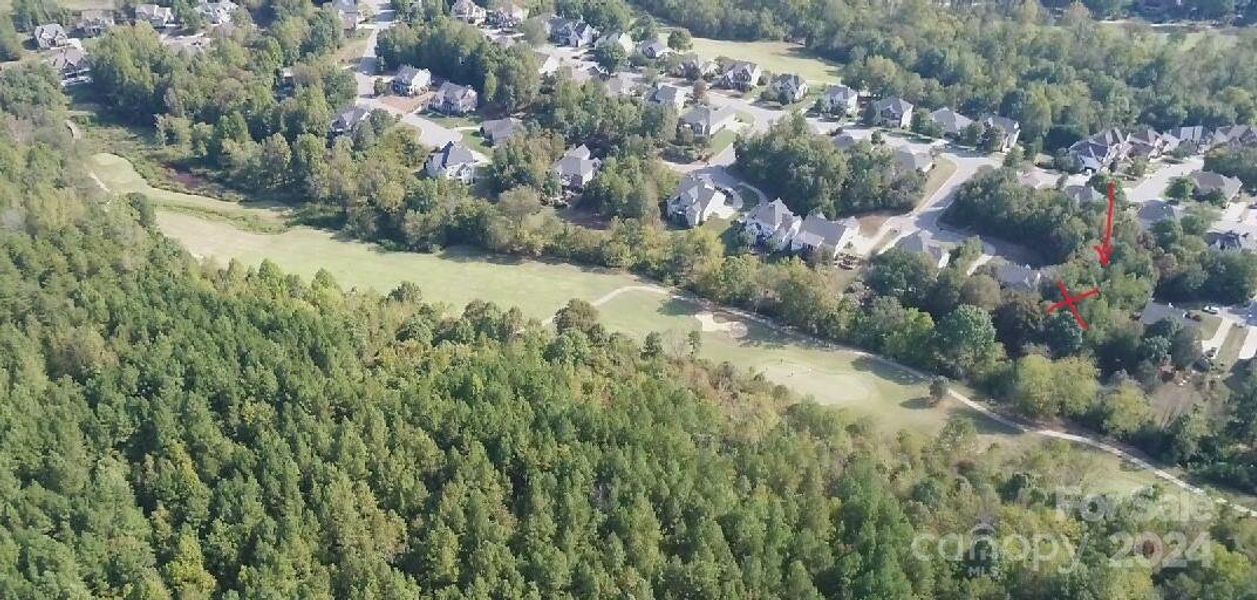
(892, 112)
(70, 63)
(454, 99)
(453, 161)
(410, 81)
(788, 88)
(950, 122)
(1102, 151)
(695, 201)
(924, 243)
(1082, 195)
(772, 224)
(500, 131)
(742, 76)
(818, 235)
(1239, 237)
(839, 100)
(653, 49)
(670, 96)
(1018, 277)
(348, 119)
(1209, 183)
(706, 121)
(1008, 130)
(94, 22)
(576, 169)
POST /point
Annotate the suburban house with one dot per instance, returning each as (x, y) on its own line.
(772, 224)
(453, 161)
(622, 84)
(1082, 195)
(892, 112)
(1194, 138)
(654, 49)
(573, 33)
(1102, 151)
(706, 121)
(576, 169)
(50, 36)
(1238, 238)
(788, 88)
(742, 76)
(1209, 183)
(454, 99)
(1155, 211)
(694, 68)
(468, 12)
(820, 236)
(217, 13)
(1147, 143)
(623, 39)
(839, 100)
(70, 63)
(508, 16)
(1018, 277)
(696, 201)
(670, 95)
(350, 15)
(1234, 136)
(907, 161)
(1007, 129)
(924, 243)
(547, 63)
(950, 122)
(1154, 312)
(348, 119)
(187, 45)
(94, 22)
(499, 131)
(160, 17)
(411, 81)
(844, 141)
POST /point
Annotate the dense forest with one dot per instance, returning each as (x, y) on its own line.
(1062, 78)
(172, 429)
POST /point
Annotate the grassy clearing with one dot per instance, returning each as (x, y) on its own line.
(942, 171)
(721, 140)
(776, 57)
(1229, 353)
(118, 177)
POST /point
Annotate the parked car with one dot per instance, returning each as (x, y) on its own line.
(1210, 309)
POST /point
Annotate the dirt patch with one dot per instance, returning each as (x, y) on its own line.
(406, 104)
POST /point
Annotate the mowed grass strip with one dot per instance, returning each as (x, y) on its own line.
(774, 57)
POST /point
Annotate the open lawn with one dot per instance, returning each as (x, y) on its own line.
(721, 140)
(774, 57)
(868, 387)
(942, 171)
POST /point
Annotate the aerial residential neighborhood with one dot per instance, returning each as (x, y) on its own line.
(628, 299)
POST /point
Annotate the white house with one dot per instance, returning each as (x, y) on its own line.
(820, 236)
(410, 81)
(696, 200)
(453, 161)
(839, 100)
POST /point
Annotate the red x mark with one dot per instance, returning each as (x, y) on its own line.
(1071, 302)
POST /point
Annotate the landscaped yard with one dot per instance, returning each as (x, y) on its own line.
(721, 140)
(775, 57)
(942, 171)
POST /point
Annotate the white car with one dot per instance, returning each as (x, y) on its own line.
(1210, 309)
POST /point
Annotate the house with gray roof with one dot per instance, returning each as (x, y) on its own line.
(1154, 312)
(1007, 130)
(624, 40)
(508, 15)
(1155, 211)
(820, 236)
(1234, 136)
(1209, 183)
(453, 161)
(924, 243)
(50, 36)
(694, 68)
(741, 75)
(1194, 138)
(572, 33)
(411, 81)
(1018, 277)
(576, 169)
(94, 22)
(950, 122)
(788, 88)
(1146, 142)
(348, 119)
(653, 49)
(907, 161)
(350, 15)
(622, 84)
(468, 12)
(454, 99)
(695, 201)
(892, 112)
(160, 17)
(70, 63)
(1082, 195)
(500, 131)
(669, 96)
(1102, 151)
(706, 121)
(772, 224)
(839, 100)
(1239, 237)
(217, 13)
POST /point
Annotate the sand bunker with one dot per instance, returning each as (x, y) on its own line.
(709, 322)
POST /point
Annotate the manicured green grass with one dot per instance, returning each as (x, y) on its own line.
(721, 140)
(942, 171)
(1230, 350)
(775, 57)
(868, 387)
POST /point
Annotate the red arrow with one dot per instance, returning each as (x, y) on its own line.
(1105, 249)
(1071, 302)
